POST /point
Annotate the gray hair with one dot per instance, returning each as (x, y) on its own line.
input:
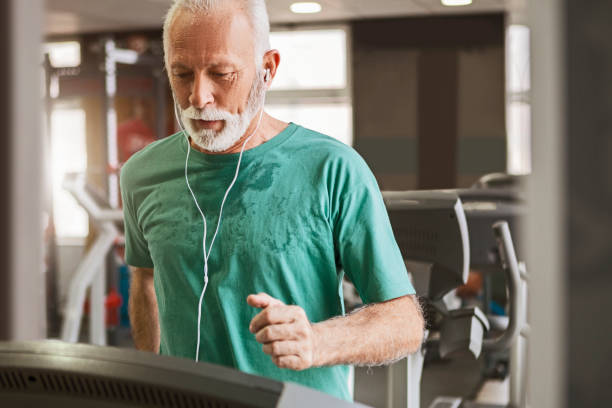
(255, 11)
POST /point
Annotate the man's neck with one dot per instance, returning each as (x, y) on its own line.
(268, 128)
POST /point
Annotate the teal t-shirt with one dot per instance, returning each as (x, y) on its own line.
(304, 210)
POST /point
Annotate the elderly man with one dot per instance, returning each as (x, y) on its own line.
(240, 228)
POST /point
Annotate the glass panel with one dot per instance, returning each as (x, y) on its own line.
(334, 120)
(68, 154)
(519, 138)
(310, 59)
(517, 59)
(518, 110)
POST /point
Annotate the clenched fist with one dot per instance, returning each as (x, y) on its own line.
(285, 332)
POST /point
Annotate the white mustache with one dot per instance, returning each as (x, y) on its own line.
(208, 114)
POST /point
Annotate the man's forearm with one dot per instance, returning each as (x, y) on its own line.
(376, 334)
(144, 317)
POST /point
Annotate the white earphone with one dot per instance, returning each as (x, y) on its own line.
(267, 75)
(207, 254)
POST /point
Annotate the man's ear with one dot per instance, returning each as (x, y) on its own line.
(271, 60)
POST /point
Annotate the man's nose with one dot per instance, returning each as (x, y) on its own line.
(201, 94)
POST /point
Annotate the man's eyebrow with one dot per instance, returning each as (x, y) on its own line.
(216, 65)
(223, 64)
(178, 65)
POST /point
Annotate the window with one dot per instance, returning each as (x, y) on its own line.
(64, 54)
(312, 59)
(312, 85)
(331, 119)
(68, 154)
(518, 106)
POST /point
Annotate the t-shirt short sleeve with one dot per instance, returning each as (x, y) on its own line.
(364, 241)
(136, 248)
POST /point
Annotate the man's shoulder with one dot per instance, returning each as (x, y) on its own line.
(319, 139)
(339, 166)
(321, 146)
(149, 158)
(158, 148)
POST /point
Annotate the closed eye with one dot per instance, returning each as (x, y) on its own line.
(222, 74)
(183, 75)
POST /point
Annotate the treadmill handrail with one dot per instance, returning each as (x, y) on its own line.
(515, 297)
(76, 186)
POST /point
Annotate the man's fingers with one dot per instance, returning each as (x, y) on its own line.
(262, 300)
(273, 314)
(277, 332)
(282, 348)
(290, 362)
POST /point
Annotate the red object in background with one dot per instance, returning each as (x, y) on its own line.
(132, 135)
(112, 308)
(473, 286)
(112, 305)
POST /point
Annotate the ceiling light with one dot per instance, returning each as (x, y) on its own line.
(452, 3)
(306, 7)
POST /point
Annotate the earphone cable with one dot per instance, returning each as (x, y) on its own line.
(205, 253)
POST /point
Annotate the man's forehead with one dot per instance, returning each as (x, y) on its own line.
(185, 55)
(221, 23)
(224, 34)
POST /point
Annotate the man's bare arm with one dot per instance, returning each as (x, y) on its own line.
(143, 310)
(376, 334)
(379, 333)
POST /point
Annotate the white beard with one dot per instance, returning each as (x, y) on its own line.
(235, 125)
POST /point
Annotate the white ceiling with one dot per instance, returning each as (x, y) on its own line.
(80, 16)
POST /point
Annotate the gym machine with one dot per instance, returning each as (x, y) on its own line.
(91, 270)
(56, 374)
(100, 202)
(431, 229)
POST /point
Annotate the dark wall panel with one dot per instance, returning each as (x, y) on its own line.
(438, 118)
(5, 176)
(589, 194)
(428, 99)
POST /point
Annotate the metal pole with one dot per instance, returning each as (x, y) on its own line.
(404, 382)
(97, 326)
(53, 315)
(546, 229)
(87, 272)
(22, 293)
(110, 87)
